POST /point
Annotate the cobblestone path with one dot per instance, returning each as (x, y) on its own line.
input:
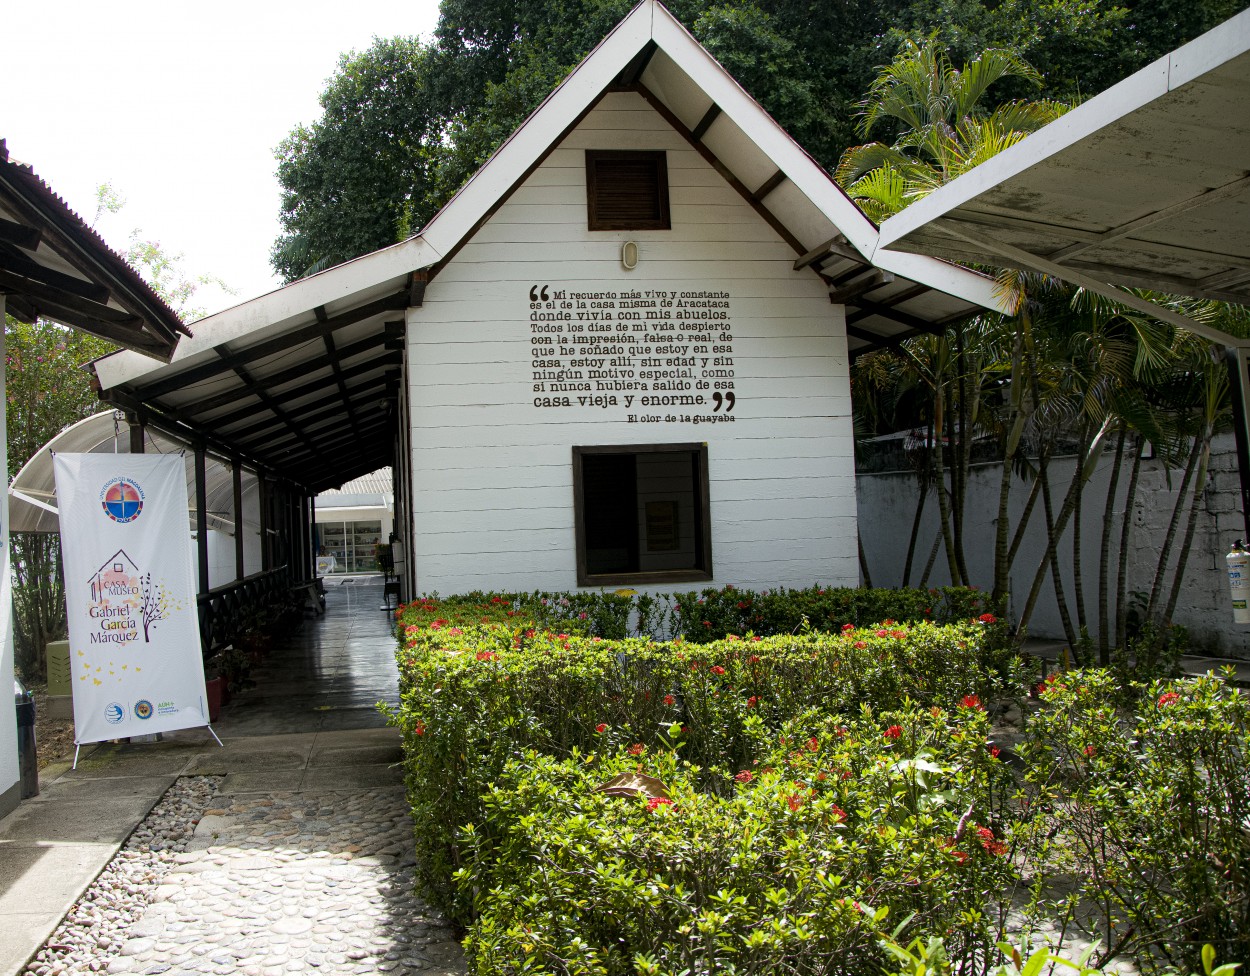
(289, 882)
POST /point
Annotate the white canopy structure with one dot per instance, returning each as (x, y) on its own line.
(32, 495)
(1147, 185)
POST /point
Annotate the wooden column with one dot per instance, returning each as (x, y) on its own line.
(236, 471)
(136, 432)
(262, 499)
(312, 533)
(201, 514)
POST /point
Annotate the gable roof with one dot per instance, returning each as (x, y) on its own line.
(254, 378)
(53, 265)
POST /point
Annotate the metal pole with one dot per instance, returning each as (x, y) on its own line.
(201, 514)
(1235, 361)
(236, 471)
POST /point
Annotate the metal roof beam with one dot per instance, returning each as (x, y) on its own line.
(362, 395)
(1033, 262)
(1181, 206)
(313, 386)
(290, 374)
(23, 235)
(15, 263)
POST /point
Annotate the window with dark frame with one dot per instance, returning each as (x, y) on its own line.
(642, 514)
(627, 190)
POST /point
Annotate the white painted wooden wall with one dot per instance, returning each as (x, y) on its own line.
(492, 474)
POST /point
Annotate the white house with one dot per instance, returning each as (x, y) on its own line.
(618, 357)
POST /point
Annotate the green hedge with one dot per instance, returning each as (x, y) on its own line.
(476, 697)
(701, 617)
(841, 832)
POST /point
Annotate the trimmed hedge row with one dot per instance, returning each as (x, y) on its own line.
(478, 697)
(701, 617)
(821, 849)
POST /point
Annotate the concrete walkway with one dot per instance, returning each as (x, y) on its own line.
(305, 860)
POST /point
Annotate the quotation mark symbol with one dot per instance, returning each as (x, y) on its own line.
(727, 399)
(535, 295)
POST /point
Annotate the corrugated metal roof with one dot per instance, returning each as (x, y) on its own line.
(53, 264)
(378, 482)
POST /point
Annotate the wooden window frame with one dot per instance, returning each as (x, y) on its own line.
(703, 523)
(658, 157)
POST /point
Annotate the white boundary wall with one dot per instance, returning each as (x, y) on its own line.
(887, 505)
(492, 473)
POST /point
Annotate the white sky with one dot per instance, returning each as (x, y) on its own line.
(180, 107)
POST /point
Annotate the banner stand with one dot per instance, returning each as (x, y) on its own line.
(78, 745)
(131, 596)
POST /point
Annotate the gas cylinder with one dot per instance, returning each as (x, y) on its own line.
(1239, 582)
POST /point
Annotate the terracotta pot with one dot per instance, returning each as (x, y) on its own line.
(216, 690)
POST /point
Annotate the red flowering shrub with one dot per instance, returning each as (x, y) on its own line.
(808, 864)
(1148, 808)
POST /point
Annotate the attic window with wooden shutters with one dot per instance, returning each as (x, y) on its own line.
(627, 190)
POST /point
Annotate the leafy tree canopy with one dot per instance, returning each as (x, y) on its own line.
(405, 123)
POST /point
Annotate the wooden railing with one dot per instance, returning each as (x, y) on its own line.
(225, 611)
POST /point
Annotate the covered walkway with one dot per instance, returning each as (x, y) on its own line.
(308, 776)
(326, 676)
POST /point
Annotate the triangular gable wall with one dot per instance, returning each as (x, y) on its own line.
(713, 337)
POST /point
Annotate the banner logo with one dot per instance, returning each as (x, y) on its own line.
(122, 500)
(114, 713)
(143, 708)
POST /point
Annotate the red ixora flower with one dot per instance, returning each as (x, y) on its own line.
(658, 801)
(813, 744)
(601, 727)
(637, 749)
(995, 847)
(987, 618)
(860, 645)
(993, 750)
(1090, 750)
(1167, 698)
(717, 669)
(486, 655)
(745, 776)
(971, 701)
(894, 731)
(847, 627)
(670, 700)
(419, 728)
(752, 701)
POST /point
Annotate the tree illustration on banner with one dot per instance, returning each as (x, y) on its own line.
(156, 604)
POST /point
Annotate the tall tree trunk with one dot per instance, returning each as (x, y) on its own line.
(1165, 554)
(915, 530)
(863, 561)
(960, 454)
(1126, 533)
(928, 566)
(1002, 568)
(1035, 491)
(1200, 484)
(1053, 535)
(1016, 419)
(1104, 552)
(942, 498)
(1078, 579)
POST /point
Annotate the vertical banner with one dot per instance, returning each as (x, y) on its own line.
(134, 632)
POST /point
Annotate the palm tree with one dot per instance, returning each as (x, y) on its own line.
(940, 127)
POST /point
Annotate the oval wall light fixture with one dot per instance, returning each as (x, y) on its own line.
(629, 255)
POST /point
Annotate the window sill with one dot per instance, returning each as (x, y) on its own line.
(657, 576)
